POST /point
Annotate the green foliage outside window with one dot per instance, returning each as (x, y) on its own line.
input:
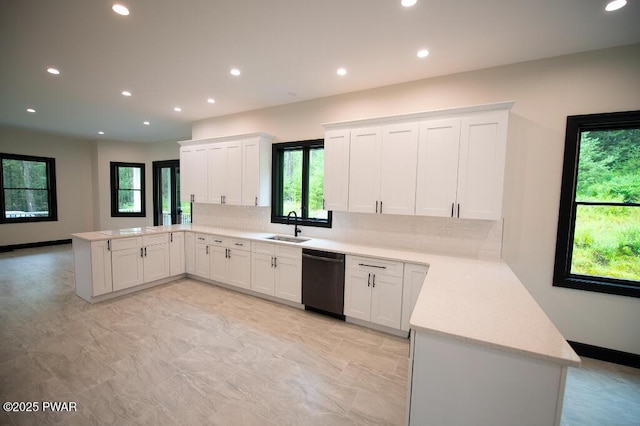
(607, 237)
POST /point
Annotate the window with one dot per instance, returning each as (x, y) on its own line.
(127, 190)
(28, 189)
(598, 244)
(298, 181)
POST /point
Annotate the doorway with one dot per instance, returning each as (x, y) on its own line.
(167, 207)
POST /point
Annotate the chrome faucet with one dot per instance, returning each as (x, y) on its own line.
(296, 230)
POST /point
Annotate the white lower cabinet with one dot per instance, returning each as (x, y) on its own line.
(139, 260)
(190, 252)
(373, 290)
(276, 270)
(177, 259)
(201, 258)
(230, 261)
(414, 276)
(101, 268)
(127, 262)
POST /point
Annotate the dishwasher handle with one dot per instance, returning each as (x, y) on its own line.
(322, 259)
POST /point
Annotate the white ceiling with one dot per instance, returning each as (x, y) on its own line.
(179, 52)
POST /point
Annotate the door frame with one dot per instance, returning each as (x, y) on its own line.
(157, 202)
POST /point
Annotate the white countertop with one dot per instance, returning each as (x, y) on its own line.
(477, 301)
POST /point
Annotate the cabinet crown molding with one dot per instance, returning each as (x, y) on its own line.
(229, 138)
(415, 116)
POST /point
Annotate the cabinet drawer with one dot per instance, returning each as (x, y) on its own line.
(126, 243)
(217, 240)
(155, 239)
(260, 247)
(237, 244)
(371, 264)
(286, 251)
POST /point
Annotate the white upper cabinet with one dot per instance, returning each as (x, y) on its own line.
(225, 173)
(233, 170)
(256, 171)
(364, 170)
(461, 166)
(438, 167)
(336, 170)
(398, 163)
(193, 174)
(447, 163)
(483, 144)
(382, 169)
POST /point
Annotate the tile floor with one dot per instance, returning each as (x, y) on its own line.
(190, 353)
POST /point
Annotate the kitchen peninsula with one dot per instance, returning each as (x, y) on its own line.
(482, 350)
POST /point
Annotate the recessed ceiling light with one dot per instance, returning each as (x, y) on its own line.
(615, 5)
(31, 110)
(408, 3)
(177, 109)
(53, 71)
(211, 101)
(235, 71)
(101, 133)
(146, 123)
(120, 9)
(423, 53)
(341, 71)
(126, 93)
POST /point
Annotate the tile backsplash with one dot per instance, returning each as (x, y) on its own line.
(481, 239)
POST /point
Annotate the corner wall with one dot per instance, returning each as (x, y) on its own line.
(545, 93)
(73, 185)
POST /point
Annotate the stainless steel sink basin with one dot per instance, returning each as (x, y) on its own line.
(288, 239)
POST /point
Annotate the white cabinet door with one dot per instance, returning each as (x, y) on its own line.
(187, 161)
(357, 294)
(481, 168)
(233, 188)
(193, 173)
(336, 170)
(217, 163)
(364, 170)
(262, 273)
(414, 276)
(386, 300)
(399, 151)
(127, 268)
(202, 267)
(177, 263)
(219, 268)
(190, 252)
(225, 173)
(437, 178)
(256, 172)
(239, 268)
(288, 279)
(156, 262)
(101, 268)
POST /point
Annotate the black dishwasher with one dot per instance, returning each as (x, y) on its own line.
(323, 282)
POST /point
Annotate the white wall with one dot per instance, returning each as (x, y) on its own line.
(73, 185)
(83, 182)
(129, 152)
(545, 92)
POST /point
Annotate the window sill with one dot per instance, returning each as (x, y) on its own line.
(318, 223)
(599, 286)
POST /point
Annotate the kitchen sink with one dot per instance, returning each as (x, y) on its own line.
(288, 239)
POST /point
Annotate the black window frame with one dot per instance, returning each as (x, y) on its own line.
(52, 198)
(115, 165)
(277, 155)
(567, 214)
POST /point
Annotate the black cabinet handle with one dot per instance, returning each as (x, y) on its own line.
(369, 280)
(256, 201)
(374, 281)
(376, 206)
(372, 266)
(108, 245)
(458, 210)
(140, 251)
(207, 249)
(452, 204)
(380, 207)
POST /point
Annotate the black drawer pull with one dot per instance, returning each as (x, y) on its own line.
(372, 266)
